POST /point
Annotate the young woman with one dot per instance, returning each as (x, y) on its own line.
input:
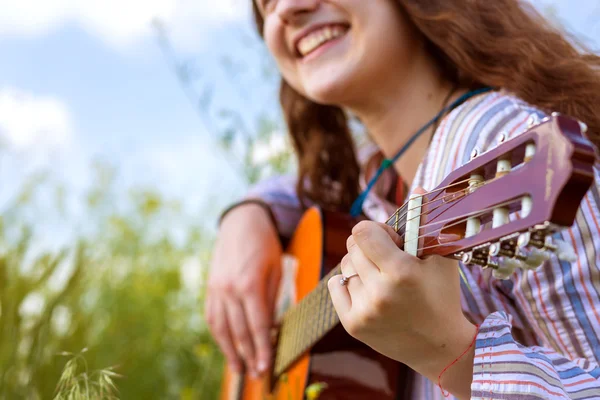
(394, 65)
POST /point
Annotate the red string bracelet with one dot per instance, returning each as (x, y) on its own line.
(445, 393)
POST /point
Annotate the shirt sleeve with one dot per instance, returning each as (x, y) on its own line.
(278, 196)
(560, 304)
(504, 369)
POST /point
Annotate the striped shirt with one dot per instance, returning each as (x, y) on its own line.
(539, 330)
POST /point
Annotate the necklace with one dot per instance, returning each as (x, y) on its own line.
(386, 163)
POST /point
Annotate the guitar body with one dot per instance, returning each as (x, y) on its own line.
(348, 368)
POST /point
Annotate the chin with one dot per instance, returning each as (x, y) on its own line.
(332, 92)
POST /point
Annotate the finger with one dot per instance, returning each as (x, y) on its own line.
(240, 332)
(259, 321)
(353, 283)
(340, 296)
(346, 266)
(222, 335)
(378, 246)
(396, 238)
(369, 272)
(273, 284)
(208, 313)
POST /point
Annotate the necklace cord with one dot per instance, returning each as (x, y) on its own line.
(356, 208)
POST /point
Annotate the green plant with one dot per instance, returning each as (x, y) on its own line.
(77, 383)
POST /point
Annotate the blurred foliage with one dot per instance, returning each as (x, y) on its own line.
(122, 291)
(76, 382)
(114, 314)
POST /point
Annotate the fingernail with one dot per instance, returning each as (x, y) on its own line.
(262, 366)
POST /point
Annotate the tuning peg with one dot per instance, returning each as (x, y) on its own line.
(505, 248)
(534, 258)
(506, 267)
(563, 250)
(479, 257)
(467, 258)
(527, 240)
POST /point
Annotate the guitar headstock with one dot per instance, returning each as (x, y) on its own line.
(500, 209)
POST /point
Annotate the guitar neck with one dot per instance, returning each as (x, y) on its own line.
(305, 324)
(497, 211)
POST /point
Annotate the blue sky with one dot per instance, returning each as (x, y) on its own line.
(86, 79)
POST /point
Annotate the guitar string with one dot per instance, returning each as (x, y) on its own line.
(443, 198)
(301, 346)
(466, 218)
(293, 312)
(337, 268)
(423, 195)
(334, 271)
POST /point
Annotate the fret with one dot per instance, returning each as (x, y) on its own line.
(285, 341)
(294, 329)
(293, 333)
(299, 328)
(329, 311)
(283, 344)
(396, 220)
(313, 327)
(332, 313)
(314, 315)
(305, 324)
(320, 329)
(281, 353)
(307, 337)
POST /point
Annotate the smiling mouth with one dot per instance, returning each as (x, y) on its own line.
(320, 37)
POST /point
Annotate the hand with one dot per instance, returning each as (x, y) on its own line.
(403, 307)
(243, 282)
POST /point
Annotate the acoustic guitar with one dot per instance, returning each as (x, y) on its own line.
(499, 211)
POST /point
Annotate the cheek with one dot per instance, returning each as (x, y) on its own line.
(286, 62)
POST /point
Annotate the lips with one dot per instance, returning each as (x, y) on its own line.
(317, 37)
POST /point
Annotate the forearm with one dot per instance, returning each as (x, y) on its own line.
(448, 360)
(277, 196)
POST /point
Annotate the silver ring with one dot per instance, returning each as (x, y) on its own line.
(345, 279)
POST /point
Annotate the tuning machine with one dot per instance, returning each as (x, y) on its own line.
(505, 247)
(479, 256)
(505, 251)
(561, 249)
(506, 267)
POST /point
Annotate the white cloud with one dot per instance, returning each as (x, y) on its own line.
(29, 121)
(119, 22)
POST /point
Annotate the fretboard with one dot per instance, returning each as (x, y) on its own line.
(305, 324)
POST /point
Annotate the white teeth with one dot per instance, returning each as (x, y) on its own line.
(315, 39)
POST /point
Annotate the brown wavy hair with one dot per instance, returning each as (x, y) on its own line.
(497, 43)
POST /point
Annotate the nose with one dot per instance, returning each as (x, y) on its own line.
(290, 11)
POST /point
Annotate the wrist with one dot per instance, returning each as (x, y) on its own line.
(256, 205)
(452, 352)
(457, 377)
(252, 219)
